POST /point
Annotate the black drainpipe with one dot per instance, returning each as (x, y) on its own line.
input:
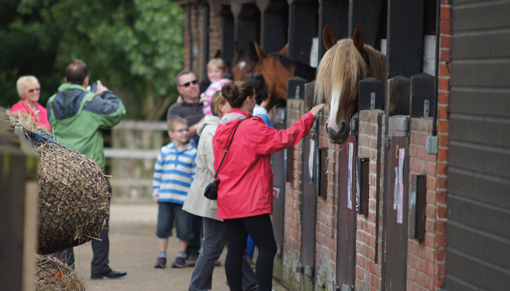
(436, 86)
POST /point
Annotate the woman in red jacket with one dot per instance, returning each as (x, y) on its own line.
(245, 198)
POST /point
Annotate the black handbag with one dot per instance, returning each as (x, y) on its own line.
(211, 191)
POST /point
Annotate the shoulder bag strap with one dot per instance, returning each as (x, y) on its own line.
(228, 147)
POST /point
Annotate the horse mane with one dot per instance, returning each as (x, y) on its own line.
(285, 61)
(343, 63)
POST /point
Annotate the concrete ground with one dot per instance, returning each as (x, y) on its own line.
(134, 248)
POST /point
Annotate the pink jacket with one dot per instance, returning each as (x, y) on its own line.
(246, 176)
(41, 120)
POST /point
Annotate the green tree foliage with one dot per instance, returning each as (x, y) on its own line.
(133, 46)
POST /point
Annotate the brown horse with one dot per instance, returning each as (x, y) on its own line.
(244, 61)
(277, 68)
(346, 62)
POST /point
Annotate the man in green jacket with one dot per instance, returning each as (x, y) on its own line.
(77, 117)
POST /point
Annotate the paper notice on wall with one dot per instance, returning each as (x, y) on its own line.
(400, 206)
(276, 192)
(395, 190)
(310, 158)
(349, 178)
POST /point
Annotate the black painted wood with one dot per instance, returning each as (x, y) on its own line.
(274, 26)
(247, 24)
(290, 165)
(417, 207)
(296, 88)
(322, 173)
(422, 95)
(227, 38)
(346, 242)
(404, 38)
(334, 13)
(303, 18)
(367, 14)
(370, 94)
(398, 97)
(362, 185)
(205, 43)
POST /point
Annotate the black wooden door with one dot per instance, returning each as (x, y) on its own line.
(279, 177)
(477, 230)
(346, 250)
(309, 210)
(397, 175)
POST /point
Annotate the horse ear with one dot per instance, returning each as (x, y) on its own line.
(285, 50)
(218, 54)
(252, 48)
(328, 37)
(238, 48)
(358, 37)
(260, 52)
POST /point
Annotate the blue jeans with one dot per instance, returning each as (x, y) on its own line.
(168, 213)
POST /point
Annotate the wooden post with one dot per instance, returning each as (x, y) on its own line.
(18, 212)
(227, 35)
(247, 24)
(398, 97)
(334, 13)
(422, 95)
(302, 29)
(370, 96)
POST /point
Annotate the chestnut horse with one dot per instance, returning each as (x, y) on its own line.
(277, 68)
(244, 61)
(346, 62)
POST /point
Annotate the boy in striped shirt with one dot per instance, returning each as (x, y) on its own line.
(173, 173)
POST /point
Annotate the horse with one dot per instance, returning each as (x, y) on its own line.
(276, 69)
(244, 61)
(345, 63)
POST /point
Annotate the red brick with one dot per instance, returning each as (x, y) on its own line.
(441, 182)
(445, 27)
(442, 155)
(444, 84)
(446, 13)
(444, 97)
(441, 197)
(444, 70)
(441, 227)
(444, 126)
(443, 140)
(446, 41)
(442, 168)
(441, 241)
(444, 55)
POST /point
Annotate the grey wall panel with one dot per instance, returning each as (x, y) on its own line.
(481, 73)
(480, 129)
(488, 15)
(469, 46)
(476, 272)
(483, 188)
(478, 158)
(479, 244)
(477, 215)
(480, 101)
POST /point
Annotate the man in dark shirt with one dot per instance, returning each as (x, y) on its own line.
(190, 108)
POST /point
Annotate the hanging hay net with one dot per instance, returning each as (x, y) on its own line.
(53, 275)
(74, 194)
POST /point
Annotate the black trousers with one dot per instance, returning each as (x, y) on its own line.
(100, 249)
(195, 244)
(261, 230)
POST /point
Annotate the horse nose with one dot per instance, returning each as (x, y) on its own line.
(343, 128)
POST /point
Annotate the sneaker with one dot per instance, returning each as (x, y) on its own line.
(192, 259)
(160, 263)
(179, 263)
(217, 263)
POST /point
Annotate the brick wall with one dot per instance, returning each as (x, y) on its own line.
(369, 227)
(293, 198)
(421, 254)
(326, 238)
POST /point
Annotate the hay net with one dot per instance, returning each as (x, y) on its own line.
(74, 194)
(53, 275)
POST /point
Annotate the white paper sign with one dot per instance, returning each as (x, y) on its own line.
(400, 206)
(276, 192)
(395, 190)
(310, 158)
(349, 182)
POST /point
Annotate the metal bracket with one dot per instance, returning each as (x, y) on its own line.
(298, 267)
(309, 271)
(431, 145)
(354, 125)
(344, 287)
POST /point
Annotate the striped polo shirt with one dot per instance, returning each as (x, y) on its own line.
(173, 173)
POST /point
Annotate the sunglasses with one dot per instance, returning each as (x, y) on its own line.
(32, 90)
(186, 85)
(182, 130)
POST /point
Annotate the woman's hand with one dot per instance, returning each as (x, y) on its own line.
(155, 198)
(317, 109)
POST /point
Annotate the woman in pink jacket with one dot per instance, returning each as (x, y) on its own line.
(245, 198)
(29, 91)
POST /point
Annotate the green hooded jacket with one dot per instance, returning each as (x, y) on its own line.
(77, 116)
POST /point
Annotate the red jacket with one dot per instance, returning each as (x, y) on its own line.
(246, 177)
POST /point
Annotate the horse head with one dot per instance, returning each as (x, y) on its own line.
(345, 63)
(276, 69)
(244, 61)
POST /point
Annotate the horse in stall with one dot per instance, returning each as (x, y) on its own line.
(244, 61)
(277, 68)
(345, 63)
